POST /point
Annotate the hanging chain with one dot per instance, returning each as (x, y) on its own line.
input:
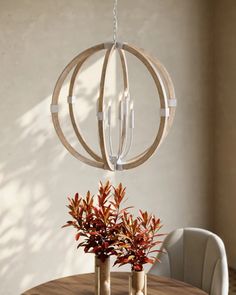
(115, 22)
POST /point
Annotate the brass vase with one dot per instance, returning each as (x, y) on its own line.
(102, 276)
(138, 283)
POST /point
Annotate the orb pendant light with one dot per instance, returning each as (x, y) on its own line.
(108, 159)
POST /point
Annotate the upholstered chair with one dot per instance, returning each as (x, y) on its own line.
(197, 257)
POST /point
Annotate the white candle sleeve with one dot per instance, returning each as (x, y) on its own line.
(132, 118)
(126, 107)
(121, 111)
(109, 115)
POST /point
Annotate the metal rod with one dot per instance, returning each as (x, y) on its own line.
(115, 22)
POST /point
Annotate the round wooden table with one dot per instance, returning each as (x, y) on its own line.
(84, 285)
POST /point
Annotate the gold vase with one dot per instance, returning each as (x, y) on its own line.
(138, 283)
(102, 276)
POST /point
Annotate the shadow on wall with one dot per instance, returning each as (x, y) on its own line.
(36, 176)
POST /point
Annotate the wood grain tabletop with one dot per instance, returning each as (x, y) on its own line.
(84, 285)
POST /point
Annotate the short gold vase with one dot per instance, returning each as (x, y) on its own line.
(138, 283)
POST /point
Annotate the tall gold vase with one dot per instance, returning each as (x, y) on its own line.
(102, 276)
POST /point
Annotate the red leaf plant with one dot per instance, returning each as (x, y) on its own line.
(98, 225)
(139, 240)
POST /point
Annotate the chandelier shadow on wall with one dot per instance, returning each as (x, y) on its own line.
(109, 159)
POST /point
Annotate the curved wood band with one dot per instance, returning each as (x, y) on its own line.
(55, 98)
(76, 128)
(101, 123)
(140, 159)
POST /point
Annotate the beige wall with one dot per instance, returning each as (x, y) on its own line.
(225, 125)
(37, 39)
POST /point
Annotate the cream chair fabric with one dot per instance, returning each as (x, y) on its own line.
(197, 257)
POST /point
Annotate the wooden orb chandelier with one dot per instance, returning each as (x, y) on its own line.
(108, 159)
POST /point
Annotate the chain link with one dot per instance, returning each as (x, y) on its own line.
(115, 22)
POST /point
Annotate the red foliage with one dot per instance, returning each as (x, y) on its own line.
(106, 229)
(139, 240)
(98, 225)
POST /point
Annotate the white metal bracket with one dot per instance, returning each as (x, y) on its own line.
(119, 165)
(54, 108)
(165, 112)
(100, 116)
(71, 99)
(108, 45)
(172, 102)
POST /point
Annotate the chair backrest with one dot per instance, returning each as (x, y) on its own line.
(197, 257)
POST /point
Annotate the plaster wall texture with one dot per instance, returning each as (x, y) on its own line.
(37, 39)
(224, 127)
